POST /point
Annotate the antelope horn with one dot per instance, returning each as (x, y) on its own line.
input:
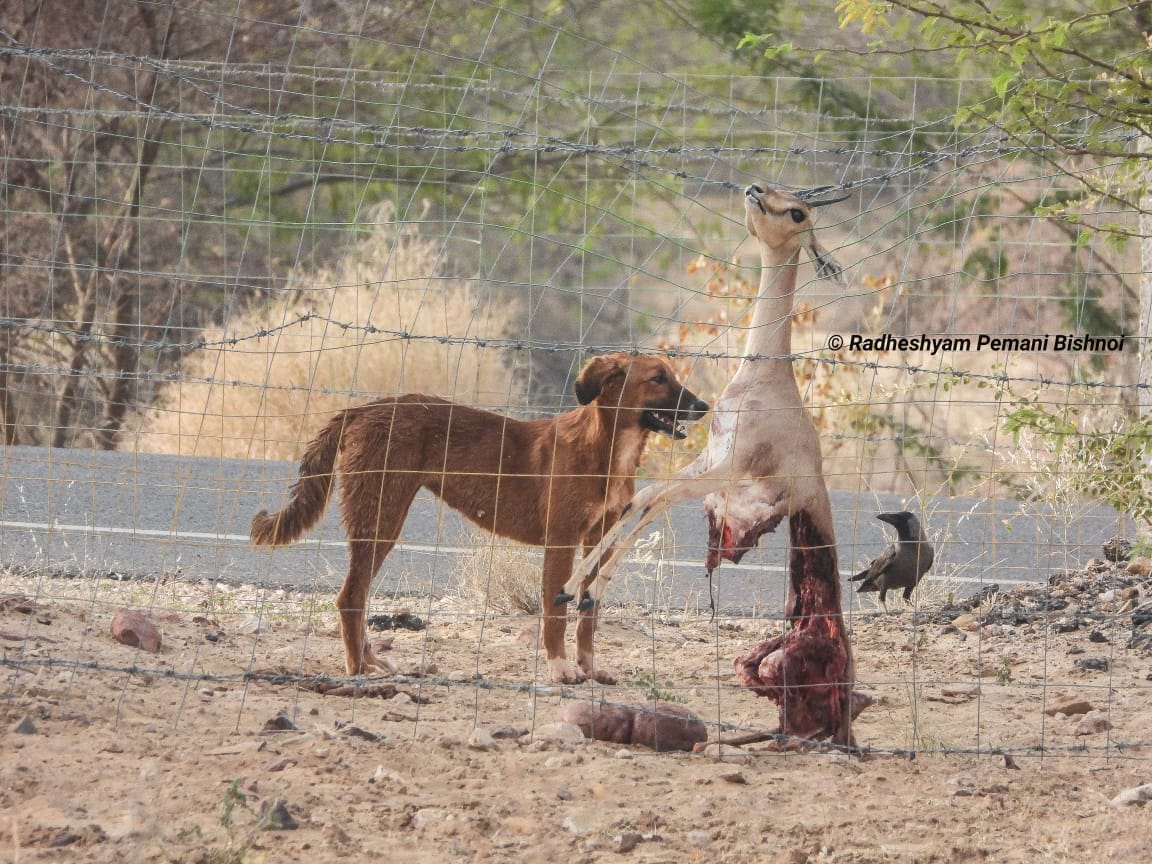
(827, 267)
(823, 201)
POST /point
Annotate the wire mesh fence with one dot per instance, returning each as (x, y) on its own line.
(205, 258)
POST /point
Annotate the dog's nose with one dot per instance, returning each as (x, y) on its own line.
(697, 407)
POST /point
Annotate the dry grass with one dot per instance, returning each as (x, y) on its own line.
(265, 397)
(501, 575)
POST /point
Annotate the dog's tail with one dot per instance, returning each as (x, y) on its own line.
(309, 494)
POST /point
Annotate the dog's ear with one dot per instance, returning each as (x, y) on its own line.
(595, 374)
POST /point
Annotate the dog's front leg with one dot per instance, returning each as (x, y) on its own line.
(557, 565)
(586, 623)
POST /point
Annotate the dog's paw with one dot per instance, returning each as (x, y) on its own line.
(373, 662)
(601, 676)
(563, 671)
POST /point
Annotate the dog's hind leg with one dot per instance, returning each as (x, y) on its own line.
(373, 529)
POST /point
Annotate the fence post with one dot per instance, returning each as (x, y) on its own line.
(1144, 336)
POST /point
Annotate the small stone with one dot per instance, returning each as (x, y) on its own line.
(481, 739)
(1093, 723)
(1093, 664)
(334, 835)
(627, 841)
(1140, 566)
(1137, 795)
(1117, 549)
(274, 816)
(134, 628)
(1097, 637)
(580, 824)
(967, 622)
(623, 753)
(25, 727)
(280, 723)
(1069, 707)
(726, 753)
(505, 732)
(791, 856)
(559, 732)
(251, 625)
(734, 777)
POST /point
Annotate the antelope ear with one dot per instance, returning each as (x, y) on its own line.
(826, 266)
(590, 382)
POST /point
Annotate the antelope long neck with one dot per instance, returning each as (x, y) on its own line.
(770, 330)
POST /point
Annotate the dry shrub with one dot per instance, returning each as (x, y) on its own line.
(504, 576)
(265, 397)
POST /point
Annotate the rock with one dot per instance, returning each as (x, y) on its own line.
(334, 835)
(1093, 723)
(505, 732)
(1140, 566)
(1116, 549)
(280, 723)
(726, 753)
(791, 856)
(1069, 707)
(131, 627)
(1137, 795)
(251, 625)
(966, 622)
(274, 816)
(1093, 664)
(25, 727)
(567, 732)
(481, 739)
(627, 841)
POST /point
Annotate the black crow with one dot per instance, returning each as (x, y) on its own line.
(901, 565)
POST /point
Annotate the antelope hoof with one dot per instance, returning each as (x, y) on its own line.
(586, 602)
(563, 598)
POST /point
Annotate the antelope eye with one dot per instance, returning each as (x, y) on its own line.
(658, 379)
(797, 214)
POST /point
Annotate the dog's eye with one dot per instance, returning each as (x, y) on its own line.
(797, 215)
(658, 379)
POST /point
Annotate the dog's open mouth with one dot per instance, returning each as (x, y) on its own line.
(665, 423)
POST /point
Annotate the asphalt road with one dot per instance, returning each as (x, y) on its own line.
(81, 512)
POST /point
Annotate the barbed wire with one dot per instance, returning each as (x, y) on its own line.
(319, 683)
(509, 345)
(917, 161)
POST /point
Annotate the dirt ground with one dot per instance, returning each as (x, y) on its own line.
(199, 753)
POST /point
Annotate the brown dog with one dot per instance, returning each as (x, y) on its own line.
(557, 483)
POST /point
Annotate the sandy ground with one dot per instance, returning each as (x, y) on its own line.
(109, 753)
